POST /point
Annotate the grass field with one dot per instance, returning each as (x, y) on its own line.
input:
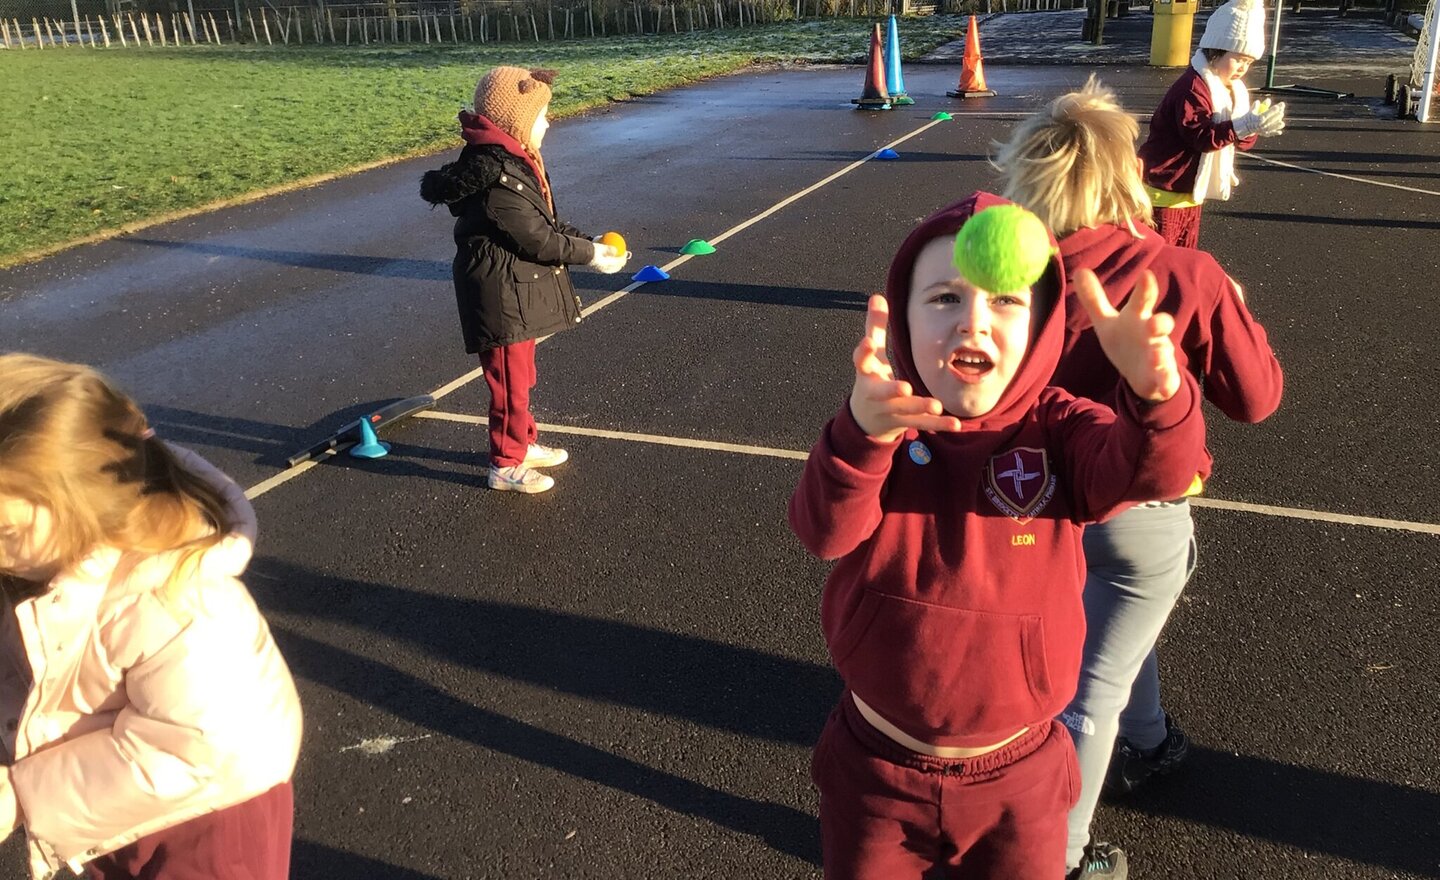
(94, 140)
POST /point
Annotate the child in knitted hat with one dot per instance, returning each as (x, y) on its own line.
(1190, 154)
(512, 250)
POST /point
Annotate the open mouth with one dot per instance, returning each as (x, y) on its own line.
(970, 366)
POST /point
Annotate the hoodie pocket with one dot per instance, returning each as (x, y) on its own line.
(940, 671)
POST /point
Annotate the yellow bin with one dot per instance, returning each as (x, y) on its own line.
(1170, 35)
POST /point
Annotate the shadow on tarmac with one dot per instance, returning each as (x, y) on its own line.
(764, 294)
(309, 859)
(270, 443)
(1362, 820)
(1375, 223)
(1315, 156)
(756, 694)
(783, 828)
(1364, 173)
(190, 428)
(749, 692)
(381, 267)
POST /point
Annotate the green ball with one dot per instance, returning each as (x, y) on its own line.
(1003, 249)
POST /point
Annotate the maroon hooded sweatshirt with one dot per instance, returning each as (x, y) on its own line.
(1180, 130)
(954, 610)
(1216, 339)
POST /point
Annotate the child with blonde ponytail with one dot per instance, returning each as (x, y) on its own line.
(1074, 164)
(149, 724)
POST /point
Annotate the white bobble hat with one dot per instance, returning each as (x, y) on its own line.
(1238, 26)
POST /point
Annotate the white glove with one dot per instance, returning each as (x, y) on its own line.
(607, 259)
(1263, 120)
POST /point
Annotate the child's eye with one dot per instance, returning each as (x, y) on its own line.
(946, 298)
(1007, 299)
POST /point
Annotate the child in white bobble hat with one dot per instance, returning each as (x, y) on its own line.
(1190, 154)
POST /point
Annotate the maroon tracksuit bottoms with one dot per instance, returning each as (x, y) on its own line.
(1179, 226)
(510, 373)
(887, 813)
(249, 841)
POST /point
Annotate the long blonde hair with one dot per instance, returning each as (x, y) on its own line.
(1073, 164)
(72, 443)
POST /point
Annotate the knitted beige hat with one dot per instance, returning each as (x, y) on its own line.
(1238, 26)
(512, 98)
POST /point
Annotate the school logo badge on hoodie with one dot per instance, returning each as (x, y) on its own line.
(1019, 483)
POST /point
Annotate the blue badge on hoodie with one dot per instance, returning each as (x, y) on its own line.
(919, 452)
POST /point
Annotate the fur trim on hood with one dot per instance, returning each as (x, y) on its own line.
(476, 170)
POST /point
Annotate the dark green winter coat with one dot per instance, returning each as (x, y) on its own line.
(511, 283)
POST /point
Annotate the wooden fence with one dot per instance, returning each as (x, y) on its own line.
(418, 22)
(462, 21)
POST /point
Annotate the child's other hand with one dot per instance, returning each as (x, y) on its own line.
(607, 259)
(1263, 119)
(1135, 339)
(884, 407)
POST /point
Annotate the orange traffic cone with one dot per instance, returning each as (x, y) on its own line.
(972, 75)
(875, 96)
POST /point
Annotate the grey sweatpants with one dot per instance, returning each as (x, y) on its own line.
(1137, 565)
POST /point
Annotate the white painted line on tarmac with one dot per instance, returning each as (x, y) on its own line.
(458, 383)
(1318, 516)
(746, 224)
(740, 227)
(771, 452)
(1413, 189)
(286, 476)
(1142, 117)
(282, 478)
(999, 114)
(660, 439)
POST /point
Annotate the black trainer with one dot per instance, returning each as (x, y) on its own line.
(1101, 861)
(1130, 767)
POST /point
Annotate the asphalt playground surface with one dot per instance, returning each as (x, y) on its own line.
(623, 678)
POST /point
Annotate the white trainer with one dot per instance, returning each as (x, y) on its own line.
(538, 456)
(519, 478)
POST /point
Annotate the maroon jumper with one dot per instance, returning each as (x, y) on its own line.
(954, 608)
(1216, 338)
(1181, 129)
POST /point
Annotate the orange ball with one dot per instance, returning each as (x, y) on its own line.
(614, 240)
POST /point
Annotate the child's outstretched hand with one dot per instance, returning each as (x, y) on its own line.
(1135, 339)
(607, 259)
(884, 407)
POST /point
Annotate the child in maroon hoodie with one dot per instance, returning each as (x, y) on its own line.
(1138, 562)
(952, 488)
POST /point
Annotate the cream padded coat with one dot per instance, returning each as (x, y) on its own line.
(145, 713)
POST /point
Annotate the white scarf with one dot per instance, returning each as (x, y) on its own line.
(1216, 174)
